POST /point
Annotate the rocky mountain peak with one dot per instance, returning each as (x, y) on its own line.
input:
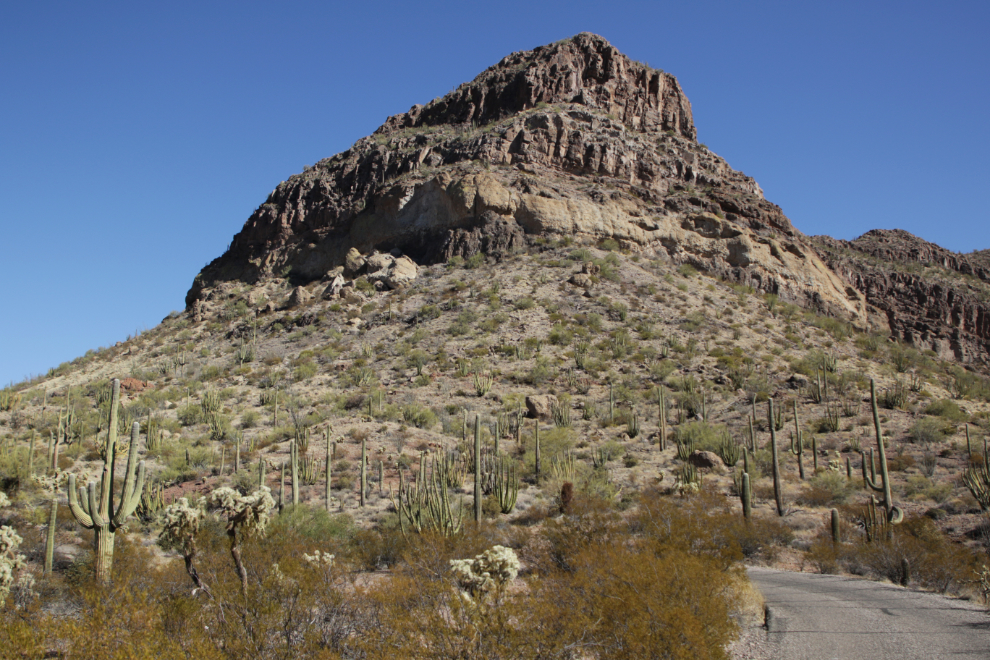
(573, 141)
(583, 70)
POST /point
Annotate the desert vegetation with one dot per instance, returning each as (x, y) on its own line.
(483, 463)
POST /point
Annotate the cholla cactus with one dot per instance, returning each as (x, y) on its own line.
(10, 562)
(248, 513)
(320, 559)
(487, 572)
(180, 525)
(4, 500)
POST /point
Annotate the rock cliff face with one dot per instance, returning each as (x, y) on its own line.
(571, 139)
(927, 295)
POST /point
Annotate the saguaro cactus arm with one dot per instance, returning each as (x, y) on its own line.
(131, 495)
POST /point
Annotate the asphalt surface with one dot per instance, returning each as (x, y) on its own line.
(826, 617)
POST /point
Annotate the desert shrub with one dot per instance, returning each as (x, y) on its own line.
(190, 415)
(703, 435)
(826, 489)
(935, 562)
(760, 537)
(419, 416)
(947, 409)
(927, 430)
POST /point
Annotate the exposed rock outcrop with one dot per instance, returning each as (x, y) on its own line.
(925, 294)
(570, 139)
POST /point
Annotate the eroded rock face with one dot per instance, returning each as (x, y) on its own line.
(925, 294)
(571, 139)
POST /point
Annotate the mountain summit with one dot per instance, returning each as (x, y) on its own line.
(572, 139)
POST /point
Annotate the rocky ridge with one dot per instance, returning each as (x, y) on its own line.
(572, 139)
(926, 295)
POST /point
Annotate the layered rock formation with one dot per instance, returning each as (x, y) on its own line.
(570, 139)
(927, 295)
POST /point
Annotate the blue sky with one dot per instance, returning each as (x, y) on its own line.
(136, 140)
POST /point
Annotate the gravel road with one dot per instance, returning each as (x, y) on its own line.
(826, 617)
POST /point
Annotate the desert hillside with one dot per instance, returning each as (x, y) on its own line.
(533, 325)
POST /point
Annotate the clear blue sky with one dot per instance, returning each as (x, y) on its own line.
(135, 141)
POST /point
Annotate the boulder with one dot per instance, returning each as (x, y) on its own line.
(353, 263)
(581, 280)
(299, 296)
(378, 261)
(403, 271)
(333, 288)
(705, 459)
(398, 273)
(539, 406)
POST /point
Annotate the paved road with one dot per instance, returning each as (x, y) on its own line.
(826, 617)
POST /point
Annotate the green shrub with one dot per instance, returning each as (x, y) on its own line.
(927, 430)
(947, 409)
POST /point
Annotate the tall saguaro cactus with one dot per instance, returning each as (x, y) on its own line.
(477, 468)
(777, 493)
(894, 514)
(797, 443)
(95, 510)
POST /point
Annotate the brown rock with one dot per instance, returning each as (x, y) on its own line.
(705, 459)
(539, 406)
(134, 385)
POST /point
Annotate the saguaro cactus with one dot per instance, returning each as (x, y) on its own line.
(477, 468)
(797, 443)
(329, 458)
(777, 494)
(364, 471)
(746, 495)
(95, 510)
(894, 514)
(294, 457)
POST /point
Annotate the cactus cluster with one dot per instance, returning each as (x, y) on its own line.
(426, 504)
(977, 477)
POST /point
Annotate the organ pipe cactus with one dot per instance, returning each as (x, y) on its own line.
(778, 495)
(506, 484)
(893, 513)
(483, 383)
(94, 509)
(662, 402)
(977, 480)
